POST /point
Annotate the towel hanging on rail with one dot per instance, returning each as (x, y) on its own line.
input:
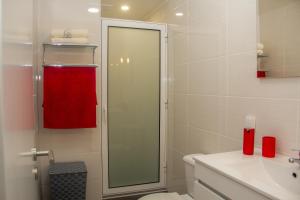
(63, 33)
(69, 97)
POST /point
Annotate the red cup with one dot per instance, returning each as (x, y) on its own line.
(268, 146)
(261, 74)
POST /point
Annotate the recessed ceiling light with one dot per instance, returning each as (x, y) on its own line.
(125, 8)
(93, 10)
(179, 14)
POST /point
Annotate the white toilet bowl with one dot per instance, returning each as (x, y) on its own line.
(189, 176)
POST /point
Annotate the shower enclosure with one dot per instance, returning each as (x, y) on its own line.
(134, 104)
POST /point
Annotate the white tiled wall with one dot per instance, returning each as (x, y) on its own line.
(212, 63)
(74, 144)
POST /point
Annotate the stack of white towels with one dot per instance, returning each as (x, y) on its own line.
(76, 36)
(260, 49)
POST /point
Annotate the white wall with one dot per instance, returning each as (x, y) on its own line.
(214, 86)
(74, 144)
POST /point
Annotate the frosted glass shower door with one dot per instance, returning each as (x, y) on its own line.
(133, 107)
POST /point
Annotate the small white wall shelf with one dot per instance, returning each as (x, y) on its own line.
(69, 45)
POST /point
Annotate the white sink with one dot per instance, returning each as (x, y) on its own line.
(273, 178)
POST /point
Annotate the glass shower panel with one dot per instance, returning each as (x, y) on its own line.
(133, 106)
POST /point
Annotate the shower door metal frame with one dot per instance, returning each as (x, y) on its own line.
(106, 23)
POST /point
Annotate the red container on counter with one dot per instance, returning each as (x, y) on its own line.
(248, 143)
(268, 146)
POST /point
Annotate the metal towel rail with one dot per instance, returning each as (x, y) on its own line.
(69, 45)
(70, 65)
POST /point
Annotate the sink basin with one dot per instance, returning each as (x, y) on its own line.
(274, 178)
(285, 175)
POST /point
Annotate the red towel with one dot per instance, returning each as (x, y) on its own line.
(69, 97)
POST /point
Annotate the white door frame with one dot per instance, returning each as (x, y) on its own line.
(106, 23)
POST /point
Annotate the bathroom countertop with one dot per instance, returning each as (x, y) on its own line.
(271, 177)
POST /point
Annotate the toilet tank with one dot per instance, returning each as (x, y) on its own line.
(189, 164)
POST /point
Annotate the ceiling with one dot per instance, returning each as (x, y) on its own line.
(139, 9)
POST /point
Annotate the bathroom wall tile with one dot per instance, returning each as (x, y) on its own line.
(177, 185)
(44, 141)
(52, 12)
(180, 78)
(175, 171)
(241, 26)
(273, 117)
(206, 112)
(71, 141)
(207, 77)
(180, 138)
(180, 109)
(200, 141)
(177, 6)
(206, 38)
(243, 82)
(178, 166)
(94, 190)
(207, 14)
(180, 46)
(205, 45)
(228, 144)
(236, 111)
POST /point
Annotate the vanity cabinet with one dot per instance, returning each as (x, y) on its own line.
(213, 185)
(235, 176)
(201, 192)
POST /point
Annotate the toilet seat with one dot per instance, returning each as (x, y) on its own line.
(166, 196)
(186, 197)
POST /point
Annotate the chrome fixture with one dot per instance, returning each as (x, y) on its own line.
(35, 154)
(93, 47)
(295, 160)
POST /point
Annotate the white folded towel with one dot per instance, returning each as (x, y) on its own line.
(260, 52)
(81, 40)
(76, 33)
(260, 46)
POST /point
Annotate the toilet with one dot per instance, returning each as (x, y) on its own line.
(189, 176)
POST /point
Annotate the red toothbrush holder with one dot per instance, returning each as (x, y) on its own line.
(248, 144)
(268, 146)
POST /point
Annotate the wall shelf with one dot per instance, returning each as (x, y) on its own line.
(70, 65)
(262, 56)
(71, 45)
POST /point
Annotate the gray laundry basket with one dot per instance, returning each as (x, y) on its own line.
(67, 181)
